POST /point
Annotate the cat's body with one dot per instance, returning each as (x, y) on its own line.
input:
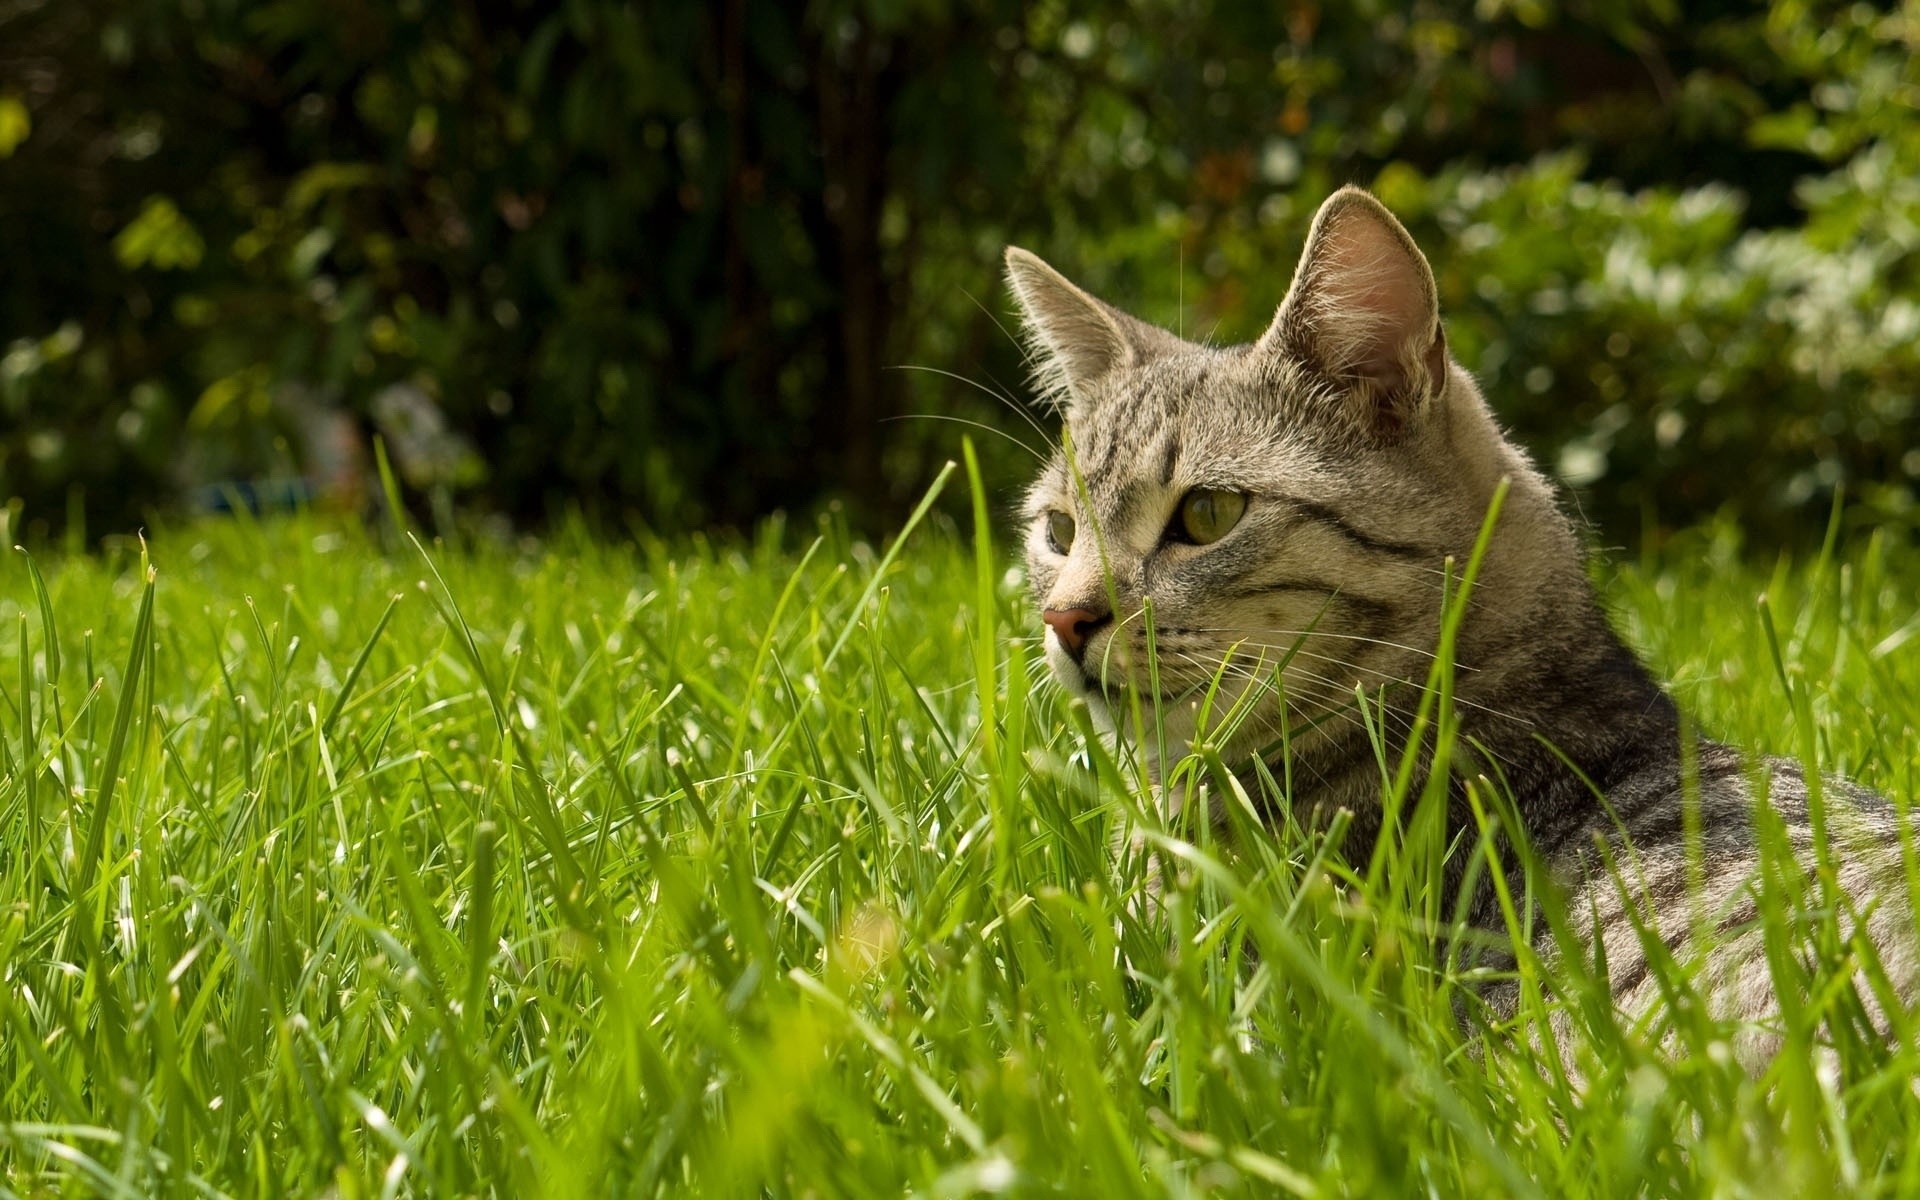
(1296, 502)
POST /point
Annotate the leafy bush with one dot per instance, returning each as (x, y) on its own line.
(1671, 362)
(1663, 353)
(1681, 360)
(657, 260)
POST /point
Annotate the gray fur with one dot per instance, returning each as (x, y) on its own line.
(1369, 458)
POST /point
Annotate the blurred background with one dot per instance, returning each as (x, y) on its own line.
(680, 265)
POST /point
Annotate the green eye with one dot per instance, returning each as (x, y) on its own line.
(1206, 516)
(1059, 532)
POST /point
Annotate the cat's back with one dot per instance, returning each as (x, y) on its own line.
(1702, 868)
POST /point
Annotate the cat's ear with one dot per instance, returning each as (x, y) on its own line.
(1364, 314)
(1075, 339)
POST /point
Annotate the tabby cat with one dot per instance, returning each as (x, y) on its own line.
(1290, 506)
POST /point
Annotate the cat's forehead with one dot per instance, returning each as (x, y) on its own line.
(1138, 406)
(1209, 417)
(1212, 401)
(1164, 385)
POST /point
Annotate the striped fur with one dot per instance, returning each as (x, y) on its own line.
(1369, 459)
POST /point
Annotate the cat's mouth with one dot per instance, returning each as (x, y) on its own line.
(1105, 674)
(1118, 692)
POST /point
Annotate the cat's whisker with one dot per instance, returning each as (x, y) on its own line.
(1388, 677)
(1326, 700)
(997, 391)
(997, 394)
(1452, 576)
(993, 429)
(1390, 717)
(1304, 634)
(1297, 649)
(1018, 345)
(1321, 689)
(1256, 668)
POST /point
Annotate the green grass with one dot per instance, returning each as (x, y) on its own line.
(332, 867)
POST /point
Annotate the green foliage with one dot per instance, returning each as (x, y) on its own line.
(15, 124)
(1756, 368)
(161, 238)
(660, 260)
(1671, 362)
(609, 870)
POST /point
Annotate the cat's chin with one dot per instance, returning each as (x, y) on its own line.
(1164, 732)
(1163, 736)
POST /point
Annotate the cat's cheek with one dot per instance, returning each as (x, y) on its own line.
(1040, 578)
(1171, 729)
(1067, 673)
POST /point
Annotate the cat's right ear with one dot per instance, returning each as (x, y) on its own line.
(1363, 314)
(1075, 340)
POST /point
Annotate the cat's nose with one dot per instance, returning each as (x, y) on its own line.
(1073, 626)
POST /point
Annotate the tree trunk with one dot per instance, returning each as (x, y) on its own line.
(857, 83)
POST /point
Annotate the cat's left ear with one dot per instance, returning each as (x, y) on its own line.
(1077, 340)
(1364, 315)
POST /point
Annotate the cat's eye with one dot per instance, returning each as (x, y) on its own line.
(1060, 532)
(1206, 515)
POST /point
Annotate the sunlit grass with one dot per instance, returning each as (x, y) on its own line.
(587, 868)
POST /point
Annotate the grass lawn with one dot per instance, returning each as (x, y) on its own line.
(329, 867)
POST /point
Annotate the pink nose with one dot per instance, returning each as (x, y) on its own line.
(1073, 626)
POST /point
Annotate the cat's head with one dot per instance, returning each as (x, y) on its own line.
(1286, 506)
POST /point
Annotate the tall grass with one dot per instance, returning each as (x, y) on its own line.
(331, 865)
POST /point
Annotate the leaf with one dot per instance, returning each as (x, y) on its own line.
(15, 124)
(161, 237)
(317, 181)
